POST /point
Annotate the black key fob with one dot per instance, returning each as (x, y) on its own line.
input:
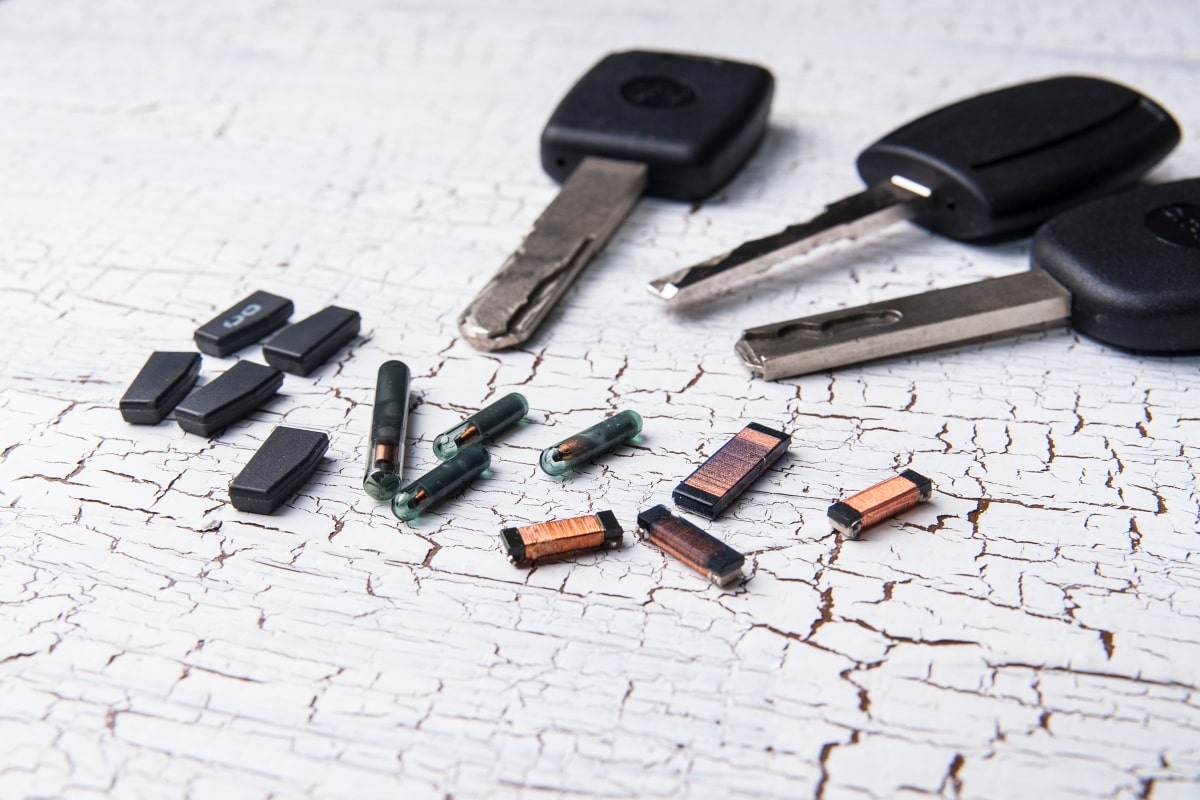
(1001, 163)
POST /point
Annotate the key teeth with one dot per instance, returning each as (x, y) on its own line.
(592, 203)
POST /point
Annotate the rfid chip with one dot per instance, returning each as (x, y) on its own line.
(718, 481)
(557, 538)
(243, 324)
(163, 381)
(283, 464)
(695, 547)
(877, 503)
(230, 397)
(301, 348)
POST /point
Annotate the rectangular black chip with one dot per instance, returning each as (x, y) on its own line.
(230, 397)
(727, 473)
(306, 345)
(283, 464)
(244, 323)
(163, 381)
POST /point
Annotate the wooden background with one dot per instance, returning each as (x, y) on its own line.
(1032, 632)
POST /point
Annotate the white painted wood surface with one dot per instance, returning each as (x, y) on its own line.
(1032, 632)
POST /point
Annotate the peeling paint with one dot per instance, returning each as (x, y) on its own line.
(1031, 631)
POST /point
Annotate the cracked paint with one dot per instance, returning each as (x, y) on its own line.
(1031, 631)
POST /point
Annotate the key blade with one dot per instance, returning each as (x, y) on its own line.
(905, 325)
(589, 208)
(886, 202)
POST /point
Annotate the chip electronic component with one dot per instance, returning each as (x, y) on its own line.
(441, 482)
(606, 435)
(309, 343)
(883, 500)
(718, 481)
(229, 397)
(243, 324)
(163, 381)
(282, 465)
(385, 451)
(482, 425)
(702, 552)
(561, 537)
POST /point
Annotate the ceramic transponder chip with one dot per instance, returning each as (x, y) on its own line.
(246, 322)
(722, 478)
(229, 397)
(163, 381)
(280, 467)
(561, 537)
(695, 547)
(306, 345)
(877, 503)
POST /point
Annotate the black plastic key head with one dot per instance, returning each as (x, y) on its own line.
(1001, 163)
(1132, 264)
(692, 120)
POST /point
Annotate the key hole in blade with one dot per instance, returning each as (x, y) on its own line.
(830, 328)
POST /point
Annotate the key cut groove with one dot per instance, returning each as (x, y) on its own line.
(905, 325)
(839, 326)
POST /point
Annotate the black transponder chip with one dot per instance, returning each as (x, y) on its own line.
(230, 397)
(242, 324)
(283, 464)
(306, 345)
(692, 120)
(727, 473)
(163, 381)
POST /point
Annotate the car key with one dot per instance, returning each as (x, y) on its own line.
(987, 168)
(674, 126)
(1121, 269)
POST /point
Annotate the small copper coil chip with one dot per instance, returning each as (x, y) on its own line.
(557, 538)
(886, 499)
(704, 553)
(718, 481)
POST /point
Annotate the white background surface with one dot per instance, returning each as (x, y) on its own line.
(1032, 632)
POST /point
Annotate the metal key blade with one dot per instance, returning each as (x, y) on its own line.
(905, 325)
(589, 208)
(886, 202)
